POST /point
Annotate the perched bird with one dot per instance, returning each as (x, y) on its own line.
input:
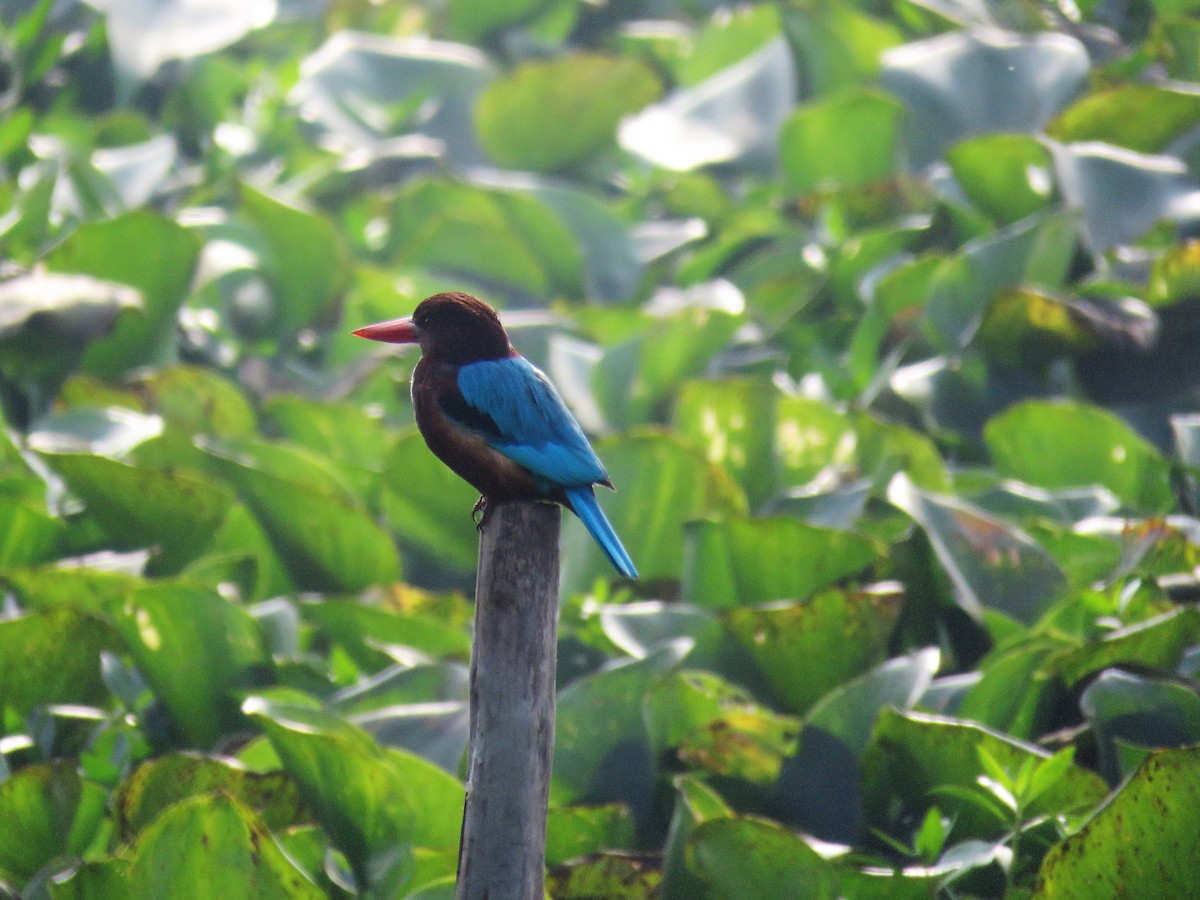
(494, 418)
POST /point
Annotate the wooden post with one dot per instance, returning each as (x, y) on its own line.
(503, 848)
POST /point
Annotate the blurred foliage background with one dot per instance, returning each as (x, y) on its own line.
(883, 316)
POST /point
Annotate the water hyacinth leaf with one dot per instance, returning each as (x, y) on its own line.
(52, 656)
(839, 47)
(1145, 712)
(883, 449)
(966, 83)
(626, 875)
(150, 254)
(574, 831)
(502, 237)
(1141, 117)
(724, 40)
(744, 561)
(1006, 176)
(521, 117)
(846, 141)
(47, 319)
(611, 267)
(730, 117)
(101, 431)
(327, 540)
(473, 21)
(1123, 194)
(196, 651)
(695, 802)
(164, 781)
(144, 34)
(366, 88)
(1156, 643)
(990, 563)
(698, 720)
(1144, 835)
(213, 845)
(806, 649)
(40, 812)
(810, 436)
(735, 856)
(29, 535)
(650, 523)
(357, 628)
(607, 758)
(428, 506)
(912, 756)
(732, 421)
(1035, 251)
(197, 400)
(88, 590)
(818, 785)
(1063, 444)
(1016, 693)
(376, 804)
(175, 512)
(635, 377)
(303, 256)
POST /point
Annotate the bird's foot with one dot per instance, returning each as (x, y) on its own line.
(479, 513)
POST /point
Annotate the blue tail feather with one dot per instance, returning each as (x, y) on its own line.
(584, 505)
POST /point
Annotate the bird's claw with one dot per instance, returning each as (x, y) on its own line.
(479, 513)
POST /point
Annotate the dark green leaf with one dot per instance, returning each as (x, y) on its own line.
(522, 118)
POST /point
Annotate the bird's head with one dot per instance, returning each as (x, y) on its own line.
(452, 327)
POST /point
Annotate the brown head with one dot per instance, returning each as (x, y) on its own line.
(452, 327)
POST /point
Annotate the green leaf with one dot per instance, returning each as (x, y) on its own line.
(1144, 836)
(196, 650)
(326, 539)
(47, 319)
(42, 816)
(574, 831)
(302, 254)
(376, 804)
(151, 254)
(606, 758)
(1006, 176)
(661, 484)
(473, 21)
(166, 780)
(521, 116)
(1015, 693)
(964, 83)
(360, 628)
(1138, 711)
(175, 512)
(744, 561)
(704, 722)
(1156, 643)
(695, 803)
(1061, 444)
(28, 534)
(1142, 117)
(732, 421)
(211, 846)
(52, 656)
(502, 237)
(196, 400)
(991, 564)
(426, 505)
(807, 649)
(842, 142)
(912, 756)
(735, 856)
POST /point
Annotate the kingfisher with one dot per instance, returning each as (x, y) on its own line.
(494, 418)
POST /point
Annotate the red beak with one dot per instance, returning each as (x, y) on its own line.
(395, 331)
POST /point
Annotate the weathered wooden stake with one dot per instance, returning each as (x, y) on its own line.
(503, 849)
